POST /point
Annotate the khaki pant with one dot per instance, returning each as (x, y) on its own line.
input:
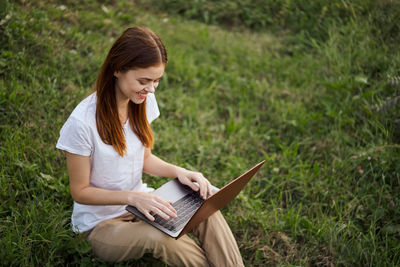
(126, 237)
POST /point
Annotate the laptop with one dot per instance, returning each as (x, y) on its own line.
(191, 208)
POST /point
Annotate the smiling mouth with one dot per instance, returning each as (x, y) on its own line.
(142, 95)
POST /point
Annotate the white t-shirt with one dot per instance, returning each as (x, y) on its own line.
(108, 170)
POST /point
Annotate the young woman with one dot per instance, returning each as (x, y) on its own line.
(108, 141)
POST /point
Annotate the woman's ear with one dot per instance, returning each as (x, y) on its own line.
(116, 74)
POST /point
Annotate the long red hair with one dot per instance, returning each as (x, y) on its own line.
(137, 47)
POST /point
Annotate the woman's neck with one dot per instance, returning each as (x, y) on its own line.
(122, 107)
(123, 115)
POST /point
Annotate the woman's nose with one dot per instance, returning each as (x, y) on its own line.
(150, 88)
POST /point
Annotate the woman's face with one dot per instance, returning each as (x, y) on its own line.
(136, 84)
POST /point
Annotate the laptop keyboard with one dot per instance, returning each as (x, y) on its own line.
(185, 207)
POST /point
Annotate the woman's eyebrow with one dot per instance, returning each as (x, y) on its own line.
(148, 79)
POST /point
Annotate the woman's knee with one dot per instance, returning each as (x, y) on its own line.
(158, 237)
(215, 218)
(217, 215)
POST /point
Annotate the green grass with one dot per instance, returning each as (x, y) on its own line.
(318, 108)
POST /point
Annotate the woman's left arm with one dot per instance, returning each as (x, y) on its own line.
(155, 166)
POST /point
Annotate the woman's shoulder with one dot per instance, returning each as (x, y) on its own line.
(85, 111)
(83, 118)
(76, 135)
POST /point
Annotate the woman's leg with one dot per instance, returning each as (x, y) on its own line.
(125, 238)
(218, 242)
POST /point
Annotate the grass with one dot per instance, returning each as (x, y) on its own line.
(319, 111)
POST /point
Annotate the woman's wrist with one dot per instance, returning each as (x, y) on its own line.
(128, 197)
(179, 171)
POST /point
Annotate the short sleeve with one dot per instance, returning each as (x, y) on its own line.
(75, 137)
(152, 111)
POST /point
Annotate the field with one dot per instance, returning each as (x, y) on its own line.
(315, 92)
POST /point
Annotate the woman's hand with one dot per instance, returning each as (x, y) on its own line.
(188, 178)
(150, 204)
(195, 180)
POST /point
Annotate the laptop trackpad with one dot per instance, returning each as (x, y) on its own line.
(172, 191)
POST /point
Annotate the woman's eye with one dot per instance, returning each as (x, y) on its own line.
(142, 83)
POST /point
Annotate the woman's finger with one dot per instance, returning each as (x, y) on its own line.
(167, 204)
(148, 215)
(167, 209)
(203, 185)
(189, 182)
(209, 187)
(160, 213)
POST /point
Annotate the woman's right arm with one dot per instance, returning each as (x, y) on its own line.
(83, 193)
